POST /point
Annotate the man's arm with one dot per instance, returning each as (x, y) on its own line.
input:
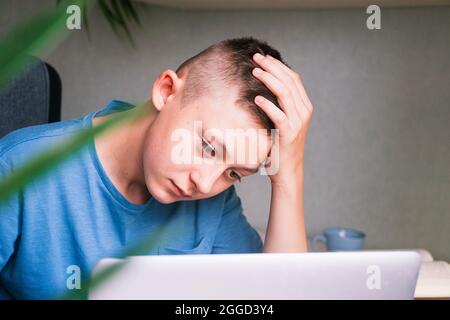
(286, 230)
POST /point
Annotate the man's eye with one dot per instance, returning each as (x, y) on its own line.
(235, 176)
(208, 148)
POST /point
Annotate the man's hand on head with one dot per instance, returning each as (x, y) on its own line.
(292, 120)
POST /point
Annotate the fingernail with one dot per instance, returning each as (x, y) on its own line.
(259, 99)
(257, 71)
(258, 56)
(269, 56)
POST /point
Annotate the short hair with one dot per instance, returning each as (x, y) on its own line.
(230, 61)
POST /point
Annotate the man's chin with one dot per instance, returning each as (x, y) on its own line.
(165, 200)
(161, 195)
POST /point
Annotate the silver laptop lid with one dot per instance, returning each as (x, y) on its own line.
(266, 276)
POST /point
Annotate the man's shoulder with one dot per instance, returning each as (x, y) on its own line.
(25, 142)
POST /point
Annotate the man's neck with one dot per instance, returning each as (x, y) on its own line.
(120, 152)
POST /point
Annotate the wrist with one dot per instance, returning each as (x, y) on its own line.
(291, 180)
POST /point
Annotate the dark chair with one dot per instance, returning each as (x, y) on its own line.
(33, 97)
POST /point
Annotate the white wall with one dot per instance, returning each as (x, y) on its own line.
(378, 152)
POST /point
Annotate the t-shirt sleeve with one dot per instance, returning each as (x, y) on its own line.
(9, 221)
(235, 234)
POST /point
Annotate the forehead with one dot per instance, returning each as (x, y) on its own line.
(219, 107)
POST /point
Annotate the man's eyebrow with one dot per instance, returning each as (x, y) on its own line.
(223, 147)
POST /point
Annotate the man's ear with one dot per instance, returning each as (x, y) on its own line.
(166, 85)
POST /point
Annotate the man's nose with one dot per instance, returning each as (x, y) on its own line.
(205, 177)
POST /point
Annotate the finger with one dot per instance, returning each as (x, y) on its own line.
(278, 117)
(281, 65)
(302, 90)
(269, 65)
(300, 87)
(283, 94)
(290, 77)
(297, 81)
(304, 109)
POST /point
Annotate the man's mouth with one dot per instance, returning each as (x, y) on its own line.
(178, 191)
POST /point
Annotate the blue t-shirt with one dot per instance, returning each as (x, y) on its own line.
(75, 216)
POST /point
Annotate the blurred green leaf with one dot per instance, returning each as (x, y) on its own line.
(130, 11)
(50, 158)
(120, 14)
(121, 19)
(142, 248)
(33, 37)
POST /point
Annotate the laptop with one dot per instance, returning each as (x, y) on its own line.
(261, 276)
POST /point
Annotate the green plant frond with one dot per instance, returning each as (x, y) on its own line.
(108, 15)
(118, 13)
(116, 17)
(50, 158)
(130, 11)
(32, 38)
(121, 19)
(141, 248)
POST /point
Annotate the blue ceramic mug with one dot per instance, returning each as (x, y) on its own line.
(340, 239)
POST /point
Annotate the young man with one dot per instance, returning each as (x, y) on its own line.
(130, 183)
